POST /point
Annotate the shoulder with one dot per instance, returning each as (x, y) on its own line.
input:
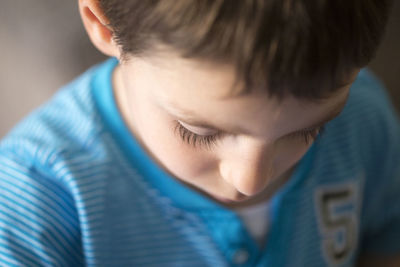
(61, 138)
(39, 214)
(368, 129)
(365, 138)
(369, 103)
(375, 133)
(362, 145)
(370, 106)
(356, 170)
(373, 124)
(66, 126)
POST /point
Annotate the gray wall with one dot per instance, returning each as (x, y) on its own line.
(44, 46)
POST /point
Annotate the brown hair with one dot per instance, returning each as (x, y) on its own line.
(306, 48)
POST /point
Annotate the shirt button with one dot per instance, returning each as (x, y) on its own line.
(241, 256)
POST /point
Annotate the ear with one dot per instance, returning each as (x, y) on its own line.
(96, 25)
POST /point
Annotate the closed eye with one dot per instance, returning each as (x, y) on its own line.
(191, 138)
(308, 135)
(209, 141)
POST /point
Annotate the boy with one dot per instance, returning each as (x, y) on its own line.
(203, 144)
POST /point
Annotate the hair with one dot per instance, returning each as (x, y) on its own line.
(305, 48)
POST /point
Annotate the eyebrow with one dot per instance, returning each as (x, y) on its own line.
(190, 118)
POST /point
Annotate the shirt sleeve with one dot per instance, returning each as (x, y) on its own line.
(39, 225)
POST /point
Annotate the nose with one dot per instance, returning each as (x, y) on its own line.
(248, 168)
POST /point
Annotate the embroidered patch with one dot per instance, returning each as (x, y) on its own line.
(337, 207)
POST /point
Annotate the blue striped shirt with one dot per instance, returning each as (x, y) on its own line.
(77, 189)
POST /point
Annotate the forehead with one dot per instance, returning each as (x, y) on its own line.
(201, 91)
(197, 75)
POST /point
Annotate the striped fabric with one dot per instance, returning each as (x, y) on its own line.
(76, 189)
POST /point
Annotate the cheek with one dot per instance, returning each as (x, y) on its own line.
(289, 153)
(156, 131)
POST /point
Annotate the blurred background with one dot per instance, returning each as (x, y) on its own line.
(44, 46)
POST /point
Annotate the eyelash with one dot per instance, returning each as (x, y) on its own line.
(209, 141)
(191, 138)
(309, 135)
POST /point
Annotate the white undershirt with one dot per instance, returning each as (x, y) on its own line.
(256, 220)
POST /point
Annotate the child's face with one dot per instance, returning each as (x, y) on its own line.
(257, 139)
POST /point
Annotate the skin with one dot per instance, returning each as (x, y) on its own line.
(152, 93)
(254, 156)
